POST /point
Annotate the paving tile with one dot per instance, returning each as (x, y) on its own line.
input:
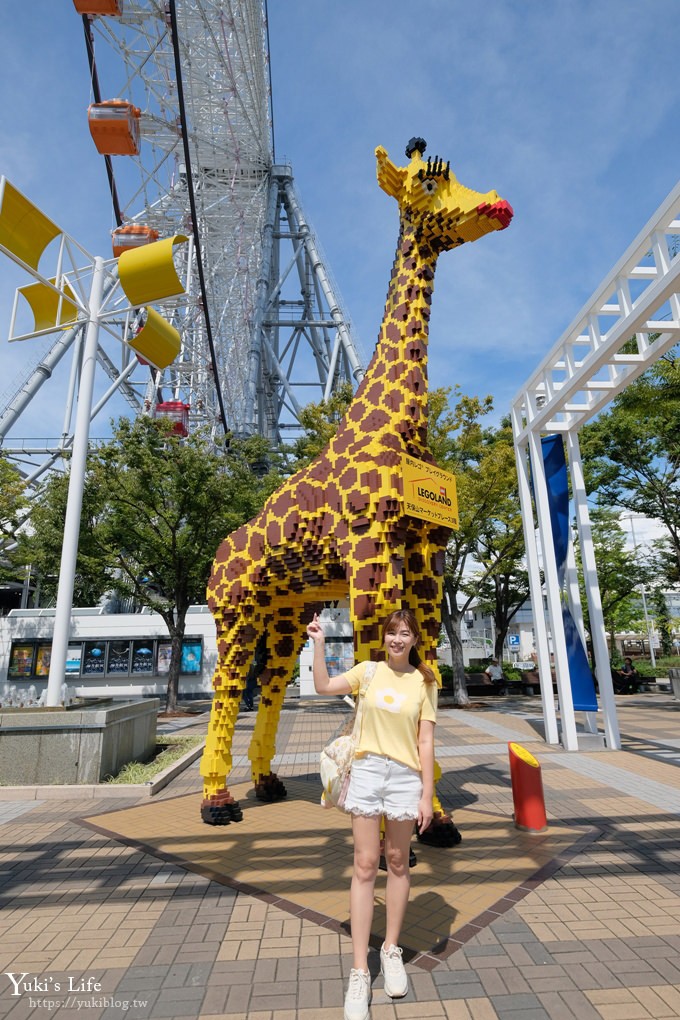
(603, 921)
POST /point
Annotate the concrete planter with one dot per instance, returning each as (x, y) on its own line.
(76, 746)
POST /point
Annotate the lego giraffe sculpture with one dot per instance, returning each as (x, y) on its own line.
(337, 528)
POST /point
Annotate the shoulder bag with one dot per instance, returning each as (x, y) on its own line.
(335, 761)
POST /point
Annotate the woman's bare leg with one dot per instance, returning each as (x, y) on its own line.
(397, 844)
(366, 832)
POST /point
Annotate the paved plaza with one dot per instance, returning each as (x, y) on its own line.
(127, 905)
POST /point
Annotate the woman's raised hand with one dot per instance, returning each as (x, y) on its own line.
(315, 630)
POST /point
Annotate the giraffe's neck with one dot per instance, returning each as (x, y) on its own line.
(395, 383)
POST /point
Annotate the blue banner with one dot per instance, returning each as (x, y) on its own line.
(580, 674)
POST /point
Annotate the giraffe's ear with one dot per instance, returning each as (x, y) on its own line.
(390, 177)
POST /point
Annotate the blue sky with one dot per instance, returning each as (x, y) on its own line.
(568, 109)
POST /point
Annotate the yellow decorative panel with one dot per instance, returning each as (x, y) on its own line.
(148, 273)
(24, 229)
(158, 341)
(52, 309)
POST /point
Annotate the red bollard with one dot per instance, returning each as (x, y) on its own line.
(527, 790)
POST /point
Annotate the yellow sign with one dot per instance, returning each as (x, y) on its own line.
(429, 492)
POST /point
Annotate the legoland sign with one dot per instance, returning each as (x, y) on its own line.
(429, 493)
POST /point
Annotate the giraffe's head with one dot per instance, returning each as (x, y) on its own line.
(443, 212)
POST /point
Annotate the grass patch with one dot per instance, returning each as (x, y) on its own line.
(168, 751)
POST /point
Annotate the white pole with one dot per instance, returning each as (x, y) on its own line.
(650, 633)
(533, 568)
(553, 592)
(69, 550)
(592, 587)
(650, 636)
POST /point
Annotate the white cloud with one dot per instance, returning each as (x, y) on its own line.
(641, 530)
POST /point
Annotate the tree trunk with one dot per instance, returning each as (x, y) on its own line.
(451, 620)
(176, 632)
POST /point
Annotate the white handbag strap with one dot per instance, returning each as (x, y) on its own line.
(369, 673)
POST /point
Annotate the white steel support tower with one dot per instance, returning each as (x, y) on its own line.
(631, 321)
(263, 330)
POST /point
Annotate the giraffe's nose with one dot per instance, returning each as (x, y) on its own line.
(501, 211)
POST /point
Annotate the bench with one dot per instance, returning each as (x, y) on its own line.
(480, 686)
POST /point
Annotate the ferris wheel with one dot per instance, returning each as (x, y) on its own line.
(180, 111)
(196, 125)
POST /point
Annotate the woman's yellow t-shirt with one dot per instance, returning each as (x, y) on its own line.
(394, 704)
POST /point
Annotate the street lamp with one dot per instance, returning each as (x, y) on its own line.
(631, 518)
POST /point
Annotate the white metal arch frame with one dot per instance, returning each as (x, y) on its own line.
(588, 366)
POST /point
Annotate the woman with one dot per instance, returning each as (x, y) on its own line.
(392, 776)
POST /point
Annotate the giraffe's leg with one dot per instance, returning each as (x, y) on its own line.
(284, 641)
(423, 570)
(236, 643)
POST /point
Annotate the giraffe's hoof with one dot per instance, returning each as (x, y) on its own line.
(441, 833)
(270, 789)
(221, 809)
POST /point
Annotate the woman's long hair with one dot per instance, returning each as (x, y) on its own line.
(408, 617)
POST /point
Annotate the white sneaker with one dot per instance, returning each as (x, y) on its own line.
(358, 995)
(392, 969)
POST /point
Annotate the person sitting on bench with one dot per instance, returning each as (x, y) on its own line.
(626, 680)
(495, 675)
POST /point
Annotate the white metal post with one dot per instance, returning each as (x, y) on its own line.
(643, 592)
(544, 671)
(597, 631)
(553, 591)
(69, 552)
(597, 634)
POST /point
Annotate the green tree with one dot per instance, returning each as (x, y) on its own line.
(501, 595)
(632, 452)
(156, 508)
(41, 542)
(13, 502)
(664, 623)
(490, 534)
(501, 585)
(620, 573)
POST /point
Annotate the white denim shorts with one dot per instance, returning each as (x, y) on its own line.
(382, 786)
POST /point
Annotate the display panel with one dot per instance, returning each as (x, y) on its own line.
(163, 655)
(74, 659)
(124, 657)
(21, 660)
(94, 658)
(42, 660)
(118, 658)
(192, 654)
(339, 655)
(142, 657)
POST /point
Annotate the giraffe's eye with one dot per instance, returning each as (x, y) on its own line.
(429, 186)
